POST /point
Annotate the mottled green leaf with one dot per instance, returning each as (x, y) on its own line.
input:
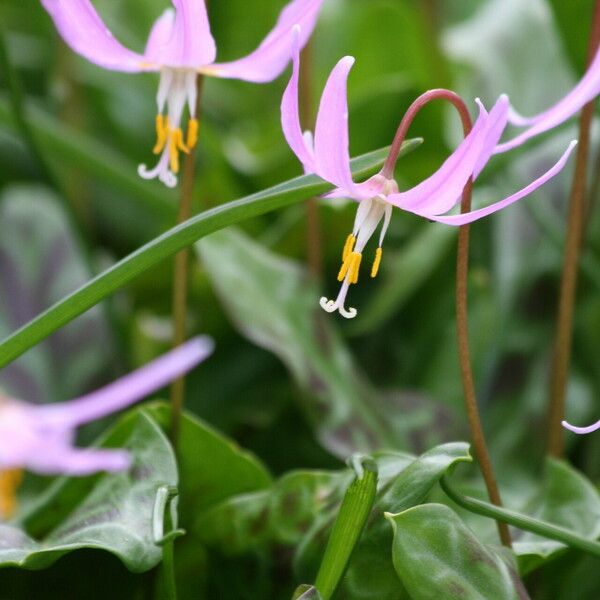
(211, 466)
(416, 481)
(281, 514)
(290, 323)
(111, 512)
(41, 262)
(567, 499)
(437, 556)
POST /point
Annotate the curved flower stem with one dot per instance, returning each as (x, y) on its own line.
(462, 271)
(181, 278)
(564, 321)
(523, 522)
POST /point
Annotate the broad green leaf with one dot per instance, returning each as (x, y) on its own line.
(405, 481)
(170, 243)
(567, 499)
(290, 323)
(41, 262)
(111, 512)
(211, 467)
(413, 484)
(279, 515)
(437, 556)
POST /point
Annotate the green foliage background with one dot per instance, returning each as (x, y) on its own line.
(298, 389)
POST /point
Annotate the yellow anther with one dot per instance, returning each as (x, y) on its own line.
(350, 267)
(192, 132)
(376, 262)
(162, 133)
(178, 136)
(9, 483)
(355, 266)
(344, 268)
(348, 246)
(173, 155)
(175, 146)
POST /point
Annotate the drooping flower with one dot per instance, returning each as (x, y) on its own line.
(582, 430)
(326, 153)
(40, 437)
(585, 91)
(180, 47)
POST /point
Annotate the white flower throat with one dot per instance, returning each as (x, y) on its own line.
(177, 88)
(368, 216)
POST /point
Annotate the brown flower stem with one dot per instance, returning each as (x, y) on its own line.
(314, 247)
(462, 271)
(561, 358)
(181, 278)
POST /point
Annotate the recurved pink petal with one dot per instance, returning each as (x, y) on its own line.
(271, 57)
(191, 44)
(474, 215)
(73, 461)
(332, 154)
(160, 36)
(130, 388)
(496, 124)
(84, 31)
(441, 191)
(582, 430)
(290, 113)
(585, 91)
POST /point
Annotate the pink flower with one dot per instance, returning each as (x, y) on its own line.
(585, 91)
(180, 47)
(326, 154)
(40, 437)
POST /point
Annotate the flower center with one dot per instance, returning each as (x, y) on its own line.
(368, 216)
(177, 88)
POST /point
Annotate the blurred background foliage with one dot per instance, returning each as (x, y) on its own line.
(298, 388)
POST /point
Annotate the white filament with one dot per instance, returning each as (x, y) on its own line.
(368, 216)
(176, 88)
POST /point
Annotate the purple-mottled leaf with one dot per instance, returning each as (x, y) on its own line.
(40, 263)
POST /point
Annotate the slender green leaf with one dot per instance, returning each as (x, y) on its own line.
(170, 243)
(347, 529)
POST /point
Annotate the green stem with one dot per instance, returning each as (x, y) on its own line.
(168, 569)
(510, 517)
(354, 512)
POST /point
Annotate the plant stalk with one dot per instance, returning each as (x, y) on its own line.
(561, 358)
(462, 271)
(181, 277)
(314, 246)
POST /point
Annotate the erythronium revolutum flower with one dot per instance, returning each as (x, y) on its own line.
(326, 154)
(40, 437)
(180, 47)
(585, 91)
(582, 430)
